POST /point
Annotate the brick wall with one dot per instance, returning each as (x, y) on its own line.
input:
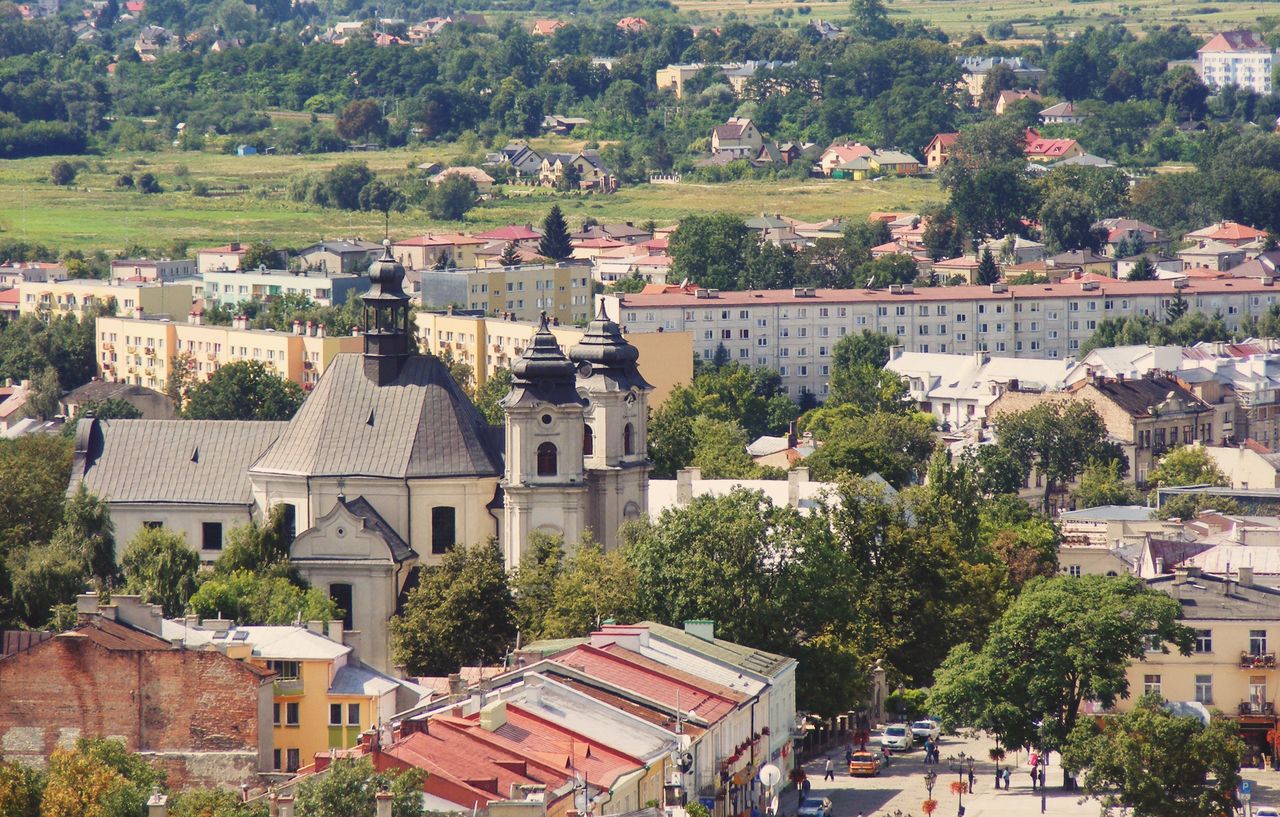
(197, 713)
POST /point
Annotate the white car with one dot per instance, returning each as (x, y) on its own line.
(897, 737)
(925, 730)
(1266, 811)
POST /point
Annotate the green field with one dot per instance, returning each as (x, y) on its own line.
(963, 16)
(93, 214)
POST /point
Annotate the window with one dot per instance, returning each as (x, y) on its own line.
(275, 755)
(628, 440)
(1154, 643)
(547, 460)
(275, 719)
(335, 714)
(1257, 642)
(290, 523)
(291, 715)
(211, 535)
(342, 595)
(285, 670)
(293, 760)
(443, 529)
(353, 714)
(1151, 685)
(588, 441)
(1074, 571)
(152, 524)
(1204, 689)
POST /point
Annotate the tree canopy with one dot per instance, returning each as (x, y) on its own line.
(243, 390)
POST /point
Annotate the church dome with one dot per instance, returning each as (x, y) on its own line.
(386, 276)
(543, 371)
(603, 346)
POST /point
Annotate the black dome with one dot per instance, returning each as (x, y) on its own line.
(386, 276)
(603, 346)
(544, 371)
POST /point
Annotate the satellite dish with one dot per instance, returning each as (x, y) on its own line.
(770, 775)
(684, 762)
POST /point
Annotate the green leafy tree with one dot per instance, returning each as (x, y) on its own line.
(1177, 308)
(148, 184)
(62, 173)
(41, 577)
(942, 237)
(1186, 465)
(46, 395)
(592, 586)
(260, 598)
(1189, 506)
(34, 472)
(111, 409)
(709, 250)
(342, 185)
(21, 788)
(1150, 762)
(490, 393)
(346, 790)
(256, 547)
(1066, 222)
(1103, 483)
(379, 197)
(98, 778)
(555, 243)
(1055, 439)
(871, 19)
(720, 449)
(1142, 270)
(451, 198)
(894, 445)
(460, 613)
(1062, 642)
(88, 532)
(361, 119)
(213, 803)
(160, 566)
(243, 390)
(533, 584)
(988, 270)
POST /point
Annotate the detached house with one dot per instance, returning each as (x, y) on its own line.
(1240, 58)
(738, 137)
(1040, 149)
(1064, 113)
(592, 174)
(938, 151)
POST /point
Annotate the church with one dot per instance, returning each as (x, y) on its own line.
(388, 465)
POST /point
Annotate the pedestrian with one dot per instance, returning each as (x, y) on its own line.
(848, 754)
(971, 778)
(830, 772)
(1008, 775)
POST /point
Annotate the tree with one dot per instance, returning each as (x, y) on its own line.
(1142, 270)
(361, 119)
(261, 598)
(942, 238)
(97, 778)
(1176, 308)
(894, 445)
(593, 586)
(346, 790)
(160, 566)
(243, 390)
(21, 788)
(88, 532)
(460, 613)
(377, 196)
(1186, 465)
(1062, 642)
(1150, 762)
(988, 271)
(110, 409)
(451, 197)
(1103, 483)
(709, 250)
(41, 577)
(1055, 439)
(255, 547)
(488, 396)
(533, 584)
(261, 254)
(46, 397)
(510, 255)
(871, 19)
(720, 449)
(147, 184)
(213, 803)
(1066, 222)
(34, 473)
(62, 173)
(554, 243)
(342, 185)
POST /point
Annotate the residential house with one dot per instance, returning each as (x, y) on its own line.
(86, 296)
(632, 25)
(525, 236)
(199, 715)
(775, 230)
(153, 40)
(648, 261)
(1041, 150)
(1063, 113)
(562, 125)
(228, 257)
(153, 405)
(1215, 255)
(483, 181)
(738, 137)
(350, 255)
(826, 29)
(1007, 98)
(1160, 263)
(1085, 261)
(323, 287)
(526, 161)
(13, 403)
(10, 306)
(839, 155)
(13, 273)
(1232, 233)
(1013, 249)
(1240, 58)
(1111, 526)
(1138, 235)
(624, 232)
(592, 174)
(673, 77)
(783, 451)
(938, 151)
(960, 270)
(975, 70)
(739, 74)
(432, 251)
(545, 28)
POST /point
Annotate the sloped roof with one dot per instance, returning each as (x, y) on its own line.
(1061, 109)
(420, 425)
(512, 232)
(373, 521)
(1235, 41)
(170, 461)
(739, 655)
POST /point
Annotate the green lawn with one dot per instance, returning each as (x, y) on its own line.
(94, 214)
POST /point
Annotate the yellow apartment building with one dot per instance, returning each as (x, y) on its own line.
(77, 296)
(1233, 665)
(143, 351)
(323, 697)
(563, 291)
(490, 343)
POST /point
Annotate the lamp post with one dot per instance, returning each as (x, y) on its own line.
(930, 778)
(960, 764)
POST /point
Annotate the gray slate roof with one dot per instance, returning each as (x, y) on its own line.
(373, 521)
(419, 425)
(172, 461)
(1206, 598)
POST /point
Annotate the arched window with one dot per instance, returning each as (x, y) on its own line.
(588, 441)
(628, 440)
(547, 460)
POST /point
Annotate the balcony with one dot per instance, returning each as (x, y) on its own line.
(1252, 708)
(287, 686)
(1264, 660)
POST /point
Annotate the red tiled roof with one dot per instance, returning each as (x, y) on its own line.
(486, 770)
(1235, 41)
(512, 232)
(659, 686)
(9, 296)
(944, 139)
(1038, 145)
(562, 748)
(445, 240)
(598, 243)
(1231, 231)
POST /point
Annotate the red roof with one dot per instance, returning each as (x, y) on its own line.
(965, 292)
(598, 243)
(237, 249)
(944, 139)
(1235, 41)
(512, 232)
(135, 6)
(1038, 145)
(1230, 231)
(661, 686)
(477, 770)
(9, 296)
(561, 748)
(445, 240)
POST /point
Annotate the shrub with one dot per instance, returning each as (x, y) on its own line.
(62, 173)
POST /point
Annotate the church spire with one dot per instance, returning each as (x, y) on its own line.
(386, 319)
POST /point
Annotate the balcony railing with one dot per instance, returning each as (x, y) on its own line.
(288, 686)
(1262, 660)
(1252, 708)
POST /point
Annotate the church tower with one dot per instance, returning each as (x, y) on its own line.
(386, 320)
(544, 481)
(616, 436)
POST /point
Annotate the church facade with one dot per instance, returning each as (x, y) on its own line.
(388, 465)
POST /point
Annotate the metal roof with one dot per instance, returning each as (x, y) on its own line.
(419, 425)
(763, 663)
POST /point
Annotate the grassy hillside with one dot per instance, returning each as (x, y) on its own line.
(250, 201)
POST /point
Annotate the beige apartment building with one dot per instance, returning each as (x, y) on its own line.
(563, 291)
(488, 344)
(144, 351)
(1233, 664)
(78, 296)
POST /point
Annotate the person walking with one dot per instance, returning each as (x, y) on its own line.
(971, 779)
(830, 771)
(1008, 775)
(848, 754)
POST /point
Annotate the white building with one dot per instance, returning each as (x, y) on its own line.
(230, 287)
(1238, 58)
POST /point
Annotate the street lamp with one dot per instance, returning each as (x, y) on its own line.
(960, 764)
(930, 778)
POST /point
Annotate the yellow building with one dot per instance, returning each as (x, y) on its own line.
(488, 344)
(78, 296)
(142, 351)
(563, 291)
(1233, 664)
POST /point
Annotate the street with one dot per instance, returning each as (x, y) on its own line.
(901, 786)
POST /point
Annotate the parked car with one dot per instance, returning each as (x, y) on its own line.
(864, 764)
(1266, 811)
(815, 807)
(897, 737)
(926, 729)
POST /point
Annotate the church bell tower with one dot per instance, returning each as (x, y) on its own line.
(387, 340)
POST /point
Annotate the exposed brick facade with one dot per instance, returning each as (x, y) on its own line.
(198, 714)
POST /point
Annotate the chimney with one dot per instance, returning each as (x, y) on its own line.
(795, 477)
(791, 434)
(1180, 575)
(456, 685)
(1246, 576)
(137, 312)
(382, 803)
(701, 627)
(311, 329)
(684, 485)
(297, 327)
(235, 246)
(1159, 565)
(316, 627)
(158, 805)
(335, 631)
(285, 805)
(319, 330)
(191, 317)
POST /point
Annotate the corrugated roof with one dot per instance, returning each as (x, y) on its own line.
(171, 461)
(749, 658)
(420, 425)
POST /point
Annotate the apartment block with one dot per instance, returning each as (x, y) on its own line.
(793, 331)
(78, 296)
(144, 351)
(152, 269)
(230, 287)
(563, 291)
(488, 344)
(1240, 58)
